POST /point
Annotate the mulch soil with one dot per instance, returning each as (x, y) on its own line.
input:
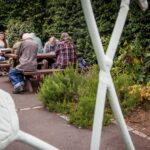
(139, 119)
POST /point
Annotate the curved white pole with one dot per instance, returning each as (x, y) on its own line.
(118, 28)
(9, 126)
(34, 142)
(92, 27)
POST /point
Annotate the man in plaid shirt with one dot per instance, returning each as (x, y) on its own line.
(65, 52)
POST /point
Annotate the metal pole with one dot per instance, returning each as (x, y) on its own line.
(99, 112)
(113, 99)
(118, 28)
(34, 142)
(95, 142)
(92, 27)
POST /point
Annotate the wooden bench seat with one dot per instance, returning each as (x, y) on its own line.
(4, 67)
(41, 72)
(37, 74)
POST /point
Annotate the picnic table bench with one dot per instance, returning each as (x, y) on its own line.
(37, 75)
(4, 66)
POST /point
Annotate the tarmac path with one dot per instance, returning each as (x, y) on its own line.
(50, 127)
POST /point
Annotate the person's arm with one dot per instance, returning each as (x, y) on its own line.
(19, 51)
(45, 50)
(7, 43)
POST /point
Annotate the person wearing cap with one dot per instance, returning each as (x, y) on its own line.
(65, 52)
(27, 55)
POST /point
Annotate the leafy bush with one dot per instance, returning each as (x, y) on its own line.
(74, 94)
(71, 93)
(82, 114)
(16, 27)
(54, 17)
(122, 83)
(60, 89)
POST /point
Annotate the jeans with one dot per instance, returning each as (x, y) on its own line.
(16, 77)
(2, 58)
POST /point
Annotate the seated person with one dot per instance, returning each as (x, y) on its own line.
(38, 41)
(15, 47)
(3, 44)
(50, 45)
(65, 52)
(27, 55)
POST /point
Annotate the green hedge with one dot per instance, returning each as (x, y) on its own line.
(52, 17)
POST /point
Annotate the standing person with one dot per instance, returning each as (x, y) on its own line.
(38, 41)
(3, 44)
(65, 52)
(27, 55)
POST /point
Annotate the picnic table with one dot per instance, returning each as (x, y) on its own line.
(39, 55)
(5, 50)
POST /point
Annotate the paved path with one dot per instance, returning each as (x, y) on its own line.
(53, 129)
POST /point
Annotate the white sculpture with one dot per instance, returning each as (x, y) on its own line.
(9, 126)
(105, 62)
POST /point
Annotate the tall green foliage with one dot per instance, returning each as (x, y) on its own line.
(52, 17)
(16, 28)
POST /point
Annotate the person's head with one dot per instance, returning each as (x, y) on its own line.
(52, 40)
(64, 35)
(68, 40)
(32, 35)
(2, 36)
(26, 36)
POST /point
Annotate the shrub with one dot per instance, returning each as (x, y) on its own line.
(122, 83)
(82, 114)
(60, 89)
(74, 94)
(15, 28)
(71, 93)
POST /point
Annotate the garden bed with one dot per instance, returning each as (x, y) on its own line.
(139, 119)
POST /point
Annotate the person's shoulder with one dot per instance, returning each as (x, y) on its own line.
(47, 43)
(37, 38)
(17, 44)
(60, 43)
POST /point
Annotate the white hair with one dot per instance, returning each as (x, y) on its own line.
(26, 36)
(32, 35)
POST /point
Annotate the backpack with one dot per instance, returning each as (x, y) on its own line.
(82, 63)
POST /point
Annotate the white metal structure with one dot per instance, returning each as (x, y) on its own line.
(105, 62)
(9, 126)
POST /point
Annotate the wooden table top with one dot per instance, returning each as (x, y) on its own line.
(46, 55)
(5, 50)
(11, 55)
(39, 55)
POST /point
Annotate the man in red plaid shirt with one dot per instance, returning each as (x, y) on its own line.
(65, 52)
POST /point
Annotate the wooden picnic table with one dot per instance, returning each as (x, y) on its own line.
(39, 55)
(5, 50)
(11, 55)
(46, 55)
